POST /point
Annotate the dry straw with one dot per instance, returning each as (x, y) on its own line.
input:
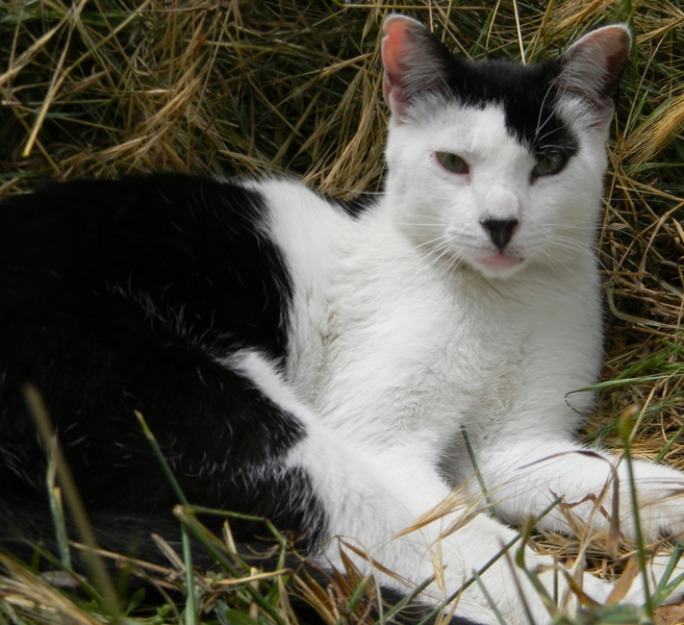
(108, 87)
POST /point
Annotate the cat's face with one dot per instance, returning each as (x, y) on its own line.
(472, 192)
(497, 165)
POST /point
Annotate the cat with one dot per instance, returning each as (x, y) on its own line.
(323, 366)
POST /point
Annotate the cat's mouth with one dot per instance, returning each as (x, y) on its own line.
(501, 263)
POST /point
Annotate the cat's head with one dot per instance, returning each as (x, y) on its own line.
(496, 164)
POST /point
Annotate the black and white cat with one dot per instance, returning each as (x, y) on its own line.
(319, 366)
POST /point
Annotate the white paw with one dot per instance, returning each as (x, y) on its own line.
(660, 511)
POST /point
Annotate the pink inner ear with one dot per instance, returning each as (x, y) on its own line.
(393, 44)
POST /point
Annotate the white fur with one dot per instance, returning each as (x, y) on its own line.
(403, 337)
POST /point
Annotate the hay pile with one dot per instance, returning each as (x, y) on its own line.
(106, 87)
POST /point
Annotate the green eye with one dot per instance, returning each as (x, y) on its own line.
(549, 163)
(453, 163)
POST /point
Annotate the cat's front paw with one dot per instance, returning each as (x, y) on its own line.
(661, 517)
(660, 494)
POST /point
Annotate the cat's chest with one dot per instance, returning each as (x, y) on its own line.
(390, 350)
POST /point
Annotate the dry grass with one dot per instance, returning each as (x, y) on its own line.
(105, 87)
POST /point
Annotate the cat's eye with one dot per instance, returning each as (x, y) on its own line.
(453, 163)
(549, 163)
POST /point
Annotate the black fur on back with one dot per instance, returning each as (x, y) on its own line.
(117, 296)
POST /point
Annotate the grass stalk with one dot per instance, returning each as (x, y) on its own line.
(626, 436)
(191, 610)
(109, 597)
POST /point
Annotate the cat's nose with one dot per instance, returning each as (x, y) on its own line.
(500, 230)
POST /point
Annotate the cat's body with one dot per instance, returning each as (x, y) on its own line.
(322, 367)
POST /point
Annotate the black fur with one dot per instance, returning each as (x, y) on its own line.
(527, 94)
(123, 296)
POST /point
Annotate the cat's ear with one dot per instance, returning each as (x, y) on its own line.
(591, 69)
(415, 62)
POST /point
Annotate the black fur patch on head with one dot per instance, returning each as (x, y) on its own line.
(527, 94)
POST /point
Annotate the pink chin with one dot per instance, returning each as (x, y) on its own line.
(500, 263)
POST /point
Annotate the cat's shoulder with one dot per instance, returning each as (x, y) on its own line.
(294, 199)
(310, 228)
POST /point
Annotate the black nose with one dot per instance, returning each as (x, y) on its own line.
(500, 230)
